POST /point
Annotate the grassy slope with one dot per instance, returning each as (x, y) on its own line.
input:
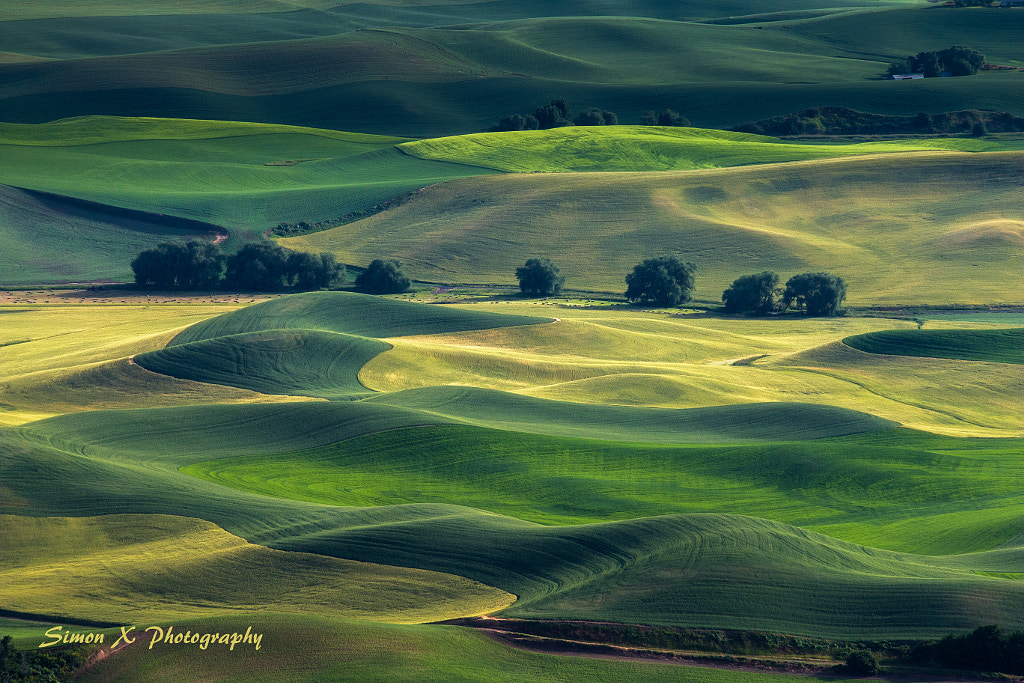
(909, 492)
(217, 171)
(960, 398)
(318, 364)
(49, 240)
(235, 174)
(59, 359)
(998, 346)
(134, 569)
(718, 424)
(94, 130)
(646, 148)
(315, 648)
(352, 314)
(900, 229)
(308, 344)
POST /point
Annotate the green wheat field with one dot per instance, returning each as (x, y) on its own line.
(348, 475)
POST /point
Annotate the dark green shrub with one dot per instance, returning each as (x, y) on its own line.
(862, 663)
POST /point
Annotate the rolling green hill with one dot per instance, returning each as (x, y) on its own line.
(249, 177)
(558, 480)
(628, 571)
(242, 176)
(599, 512)
(350, 313)
(998, 346)
(908, 228)
(317, 364)
(647, 148)
(318, 464)
(153, 567)
(50, 239)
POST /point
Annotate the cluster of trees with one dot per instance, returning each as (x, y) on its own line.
(987, 648)
(257, 267)
(556, 114)
(668, 281)
(957, 61)
(664, 118)
(39, 665)
(842, 121)
(817, 294)
(198, 265)
(665, 281)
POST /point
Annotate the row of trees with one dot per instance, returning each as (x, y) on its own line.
(841, 121)
(668, 281)
(557, 114)
(987, 648)
(198, 265)
(956, 61)
(662, 281)
(814, 293)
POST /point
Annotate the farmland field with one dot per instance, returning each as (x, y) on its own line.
(386, 487)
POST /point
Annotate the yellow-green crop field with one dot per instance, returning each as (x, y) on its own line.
(683, 361)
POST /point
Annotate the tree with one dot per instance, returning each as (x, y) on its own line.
(150, 268)
(10, 661)
(201, 265)
(957, 60)
(816, 293)
(595, 116)
(753, 294)
(672, 118)
(310, 272)
(193, 265)
(257, 267)
(540, 277)
(961, 60)
(553, 115)
(665, 280)
(383, 277)
(516, 122)
(665, 118)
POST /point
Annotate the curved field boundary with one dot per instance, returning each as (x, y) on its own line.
(289, 362)
(181, 566)
(645, 148)
(994, 346)
(349, 313)
(717, 424)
